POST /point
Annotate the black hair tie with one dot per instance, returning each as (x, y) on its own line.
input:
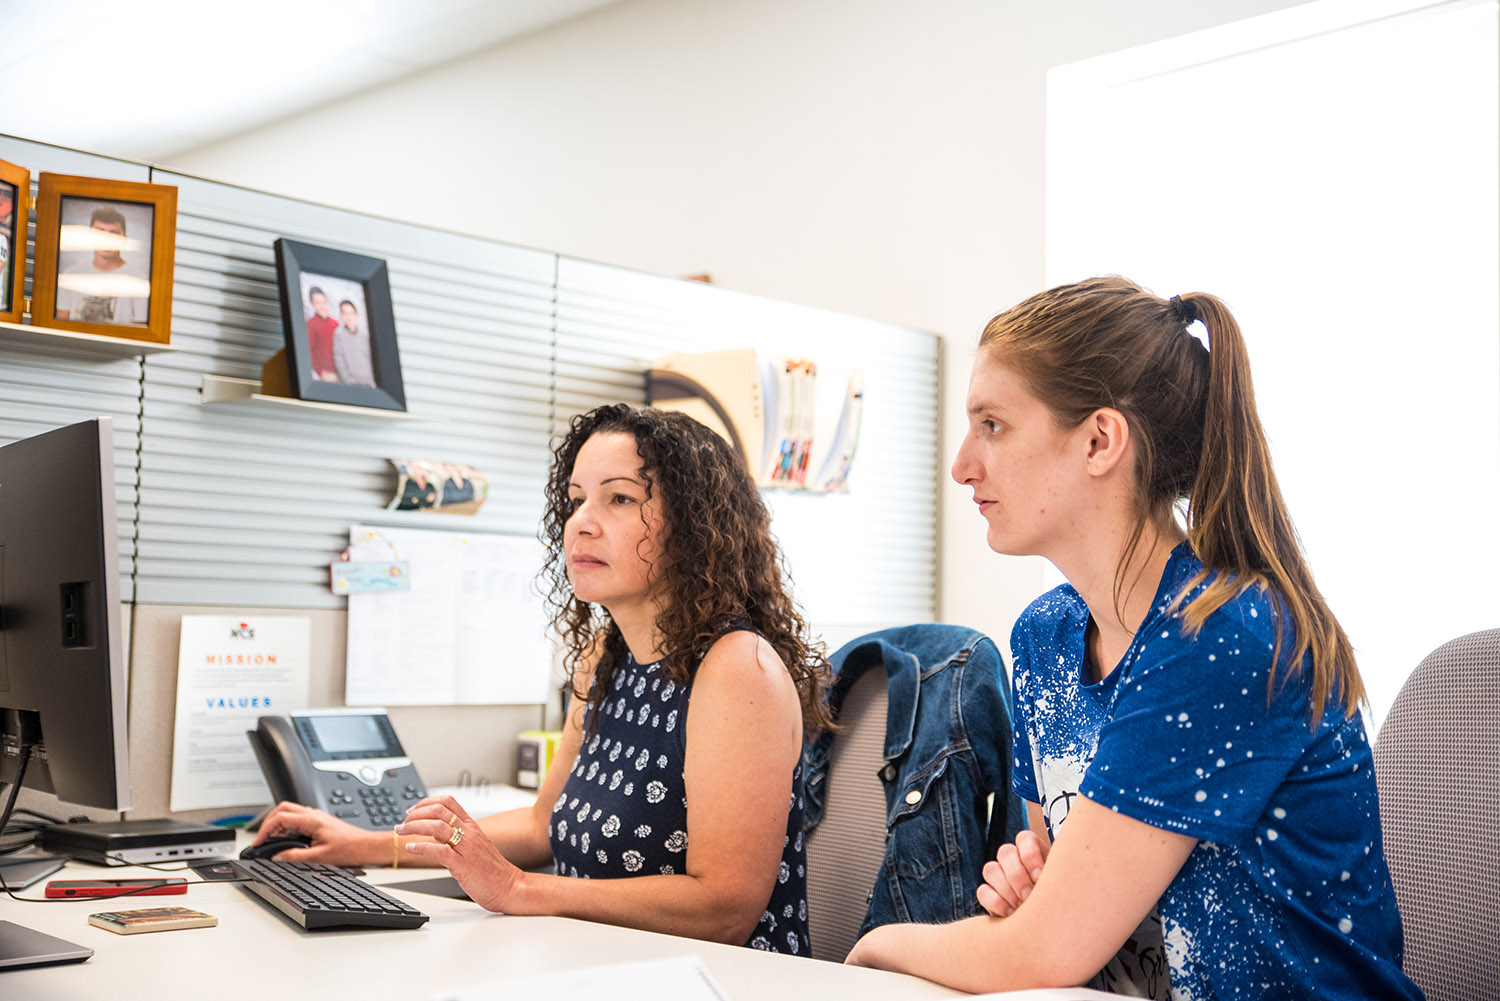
(1185, 311)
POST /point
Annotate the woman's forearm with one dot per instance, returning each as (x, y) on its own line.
(976, 955)
(1100, 881)
(675, 905)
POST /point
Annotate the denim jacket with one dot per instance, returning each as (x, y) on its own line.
(947, 748)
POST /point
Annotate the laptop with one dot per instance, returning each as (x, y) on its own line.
(21, 946)
(16, 873)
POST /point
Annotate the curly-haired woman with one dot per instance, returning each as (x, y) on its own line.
(675, 790)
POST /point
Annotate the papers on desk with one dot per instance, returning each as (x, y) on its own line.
(1047, 994)
(469, 631)
(681, 978)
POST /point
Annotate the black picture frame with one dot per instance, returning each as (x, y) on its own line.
(353, 377)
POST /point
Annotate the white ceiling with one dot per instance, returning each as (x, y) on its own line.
(147, 79)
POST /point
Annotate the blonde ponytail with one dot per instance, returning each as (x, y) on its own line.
(1238, 522)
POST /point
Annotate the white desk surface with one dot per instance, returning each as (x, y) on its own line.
(256, 952)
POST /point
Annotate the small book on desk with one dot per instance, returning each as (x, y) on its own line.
(146, 919)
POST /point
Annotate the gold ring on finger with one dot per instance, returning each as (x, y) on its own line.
(458, 835)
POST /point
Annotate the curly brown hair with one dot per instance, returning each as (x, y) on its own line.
(720, 566)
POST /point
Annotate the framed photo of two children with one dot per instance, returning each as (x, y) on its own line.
(339, 327)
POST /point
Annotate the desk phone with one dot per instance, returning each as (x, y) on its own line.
(347, 762)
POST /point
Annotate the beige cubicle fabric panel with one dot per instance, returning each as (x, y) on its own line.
(247, 503)
(47, 387)
(859, 561)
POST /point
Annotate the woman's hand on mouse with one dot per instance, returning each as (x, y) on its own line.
(330, 839)
(460, 845)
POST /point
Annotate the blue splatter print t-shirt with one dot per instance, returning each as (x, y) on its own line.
(1287, 894)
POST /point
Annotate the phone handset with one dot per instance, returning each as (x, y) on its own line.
(287, 767)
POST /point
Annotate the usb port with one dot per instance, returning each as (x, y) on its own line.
(74, 608)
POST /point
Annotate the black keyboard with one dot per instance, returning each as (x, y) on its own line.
(316, 896)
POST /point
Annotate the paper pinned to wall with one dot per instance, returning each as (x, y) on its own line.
(231, 670)
(469, 631)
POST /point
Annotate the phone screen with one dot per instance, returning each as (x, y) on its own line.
(348, 734)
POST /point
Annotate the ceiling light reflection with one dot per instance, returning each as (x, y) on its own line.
(109, 286)
(72, 239)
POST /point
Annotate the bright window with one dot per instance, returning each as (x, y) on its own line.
(1330, 171)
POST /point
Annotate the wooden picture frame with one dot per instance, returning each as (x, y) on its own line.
(104, 256)
(15, 202)
(323, 292)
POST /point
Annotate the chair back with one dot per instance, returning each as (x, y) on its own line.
(845, 850)
(1437, 766)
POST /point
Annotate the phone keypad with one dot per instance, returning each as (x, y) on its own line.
(380, 804)
(373, 807)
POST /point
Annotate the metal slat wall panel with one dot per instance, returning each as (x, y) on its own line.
(859, 562)
(246, 504)
(42, 388)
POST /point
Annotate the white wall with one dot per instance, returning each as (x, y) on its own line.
(1389, 193)
(881, 158)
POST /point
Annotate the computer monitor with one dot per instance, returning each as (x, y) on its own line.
(62, 670)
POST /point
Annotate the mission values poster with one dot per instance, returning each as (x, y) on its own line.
(231, 670)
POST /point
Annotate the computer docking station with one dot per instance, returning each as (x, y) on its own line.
(133, 842)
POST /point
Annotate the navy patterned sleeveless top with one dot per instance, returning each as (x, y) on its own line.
(623, 811)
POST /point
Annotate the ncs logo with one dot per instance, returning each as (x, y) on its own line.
(242, 632)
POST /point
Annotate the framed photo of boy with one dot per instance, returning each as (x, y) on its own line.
(15, 195)
(104, 254)
(340, 332)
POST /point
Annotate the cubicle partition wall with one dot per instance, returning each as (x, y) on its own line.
(243, 505)
(246, 503)
(45, 389)
(860, 561)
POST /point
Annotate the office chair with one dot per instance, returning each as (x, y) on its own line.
(845, 850)
(1437, 766)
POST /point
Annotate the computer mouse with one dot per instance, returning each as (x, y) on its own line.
(273, 846)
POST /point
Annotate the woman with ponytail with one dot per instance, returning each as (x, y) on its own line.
(1204, 821)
